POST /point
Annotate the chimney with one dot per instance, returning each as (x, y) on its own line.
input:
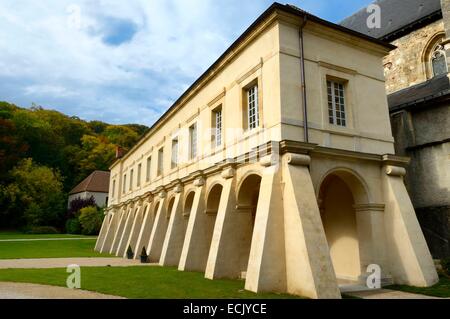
(119, 152)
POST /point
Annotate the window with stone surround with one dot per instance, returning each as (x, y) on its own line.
(336, 103)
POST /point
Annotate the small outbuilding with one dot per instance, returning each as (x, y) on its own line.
(96, 185)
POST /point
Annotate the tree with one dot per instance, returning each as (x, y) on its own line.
(91, 219)
(35, 196)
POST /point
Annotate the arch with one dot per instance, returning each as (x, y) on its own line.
(188, 202)
(429, 51)
(339, 191)
(353, 180)
(246, 206)
(244, 179)
(170, 204)
(213, 198)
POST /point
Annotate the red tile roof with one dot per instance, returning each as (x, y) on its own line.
(98, 181)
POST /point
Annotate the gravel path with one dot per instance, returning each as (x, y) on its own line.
(388, 294)
(12, 290)
(64, 262)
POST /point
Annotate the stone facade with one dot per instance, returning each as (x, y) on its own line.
(422, 128)
(406, 66)
(285, 213)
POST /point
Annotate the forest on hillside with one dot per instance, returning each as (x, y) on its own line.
(44, 154)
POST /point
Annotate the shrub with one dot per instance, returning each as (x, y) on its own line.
(42, 230)
(445, 263)
(77, 204)
(91, 219)
(73, 226)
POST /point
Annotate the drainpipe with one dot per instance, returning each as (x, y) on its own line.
(303, 81)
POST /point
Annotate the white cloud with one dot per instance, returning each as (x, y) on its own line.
(54, 57)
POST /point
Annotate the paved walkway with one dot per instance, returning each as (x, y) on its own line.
(387, 294)
(64, 262)
(12, 290)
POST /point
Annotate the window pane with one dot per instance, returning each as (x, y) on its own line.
(252, 107)
(336, 103)
(174, 153)
(193, 141)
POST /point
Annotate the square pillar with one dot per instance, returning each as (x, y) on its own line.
(409, 258)
(173, 241)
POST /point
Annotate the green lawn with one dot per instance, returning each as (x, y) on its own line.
(441, 289)
(140, 282)
(19, 235)
(49, 249)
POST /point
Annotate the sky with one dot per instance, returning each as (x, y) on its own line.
(122, 61)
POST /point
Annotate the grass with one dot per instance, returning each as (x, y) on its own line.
(19, 235)
(49, 249)
(441, 289)
(140, 282)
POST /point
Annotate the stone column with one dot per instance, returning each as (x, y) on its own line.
(122, 247)
(119, 230)
(173, 241)
(146, 229)
(109, 237)
(409, 257)
(222, 256)
(159, 230)
(371, 239)
(266, 267)
(103, 230)
(135, 228)
(309, 270)
(195, 250)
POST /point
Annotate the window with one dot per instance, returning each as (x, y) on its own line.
(149, 165)
(160, 161)
(217, 126)
(113, 188)
(193, 141)
(138, 182)
(174, 161)
(336, 103)
(438, 61)
(124, 186)
(252, 107)
(131, 179)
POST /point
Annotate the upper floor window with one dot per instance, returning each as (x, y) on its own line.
(174, 161)
(149, 165)
(113, 188)
(439, 61)
(131, 179)
(139, 171)
(252, 107)
(336, 103)
(435, 58)
(124, 186)
(217, 126)
(193, 141)
(160, 161)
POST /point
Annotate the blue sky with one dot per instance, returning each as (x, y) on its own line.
(122, 61)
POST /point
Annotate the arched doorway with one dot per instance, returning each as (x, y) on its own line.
(247, 202)
(212, 207)
(339, 192)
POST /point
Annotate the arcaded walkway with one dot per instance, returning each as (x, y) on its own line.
(64, 262)
(12, 290)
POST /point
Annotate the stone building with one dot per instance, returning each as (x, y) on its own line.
(418, 87)
(276, 166)
(96, 185)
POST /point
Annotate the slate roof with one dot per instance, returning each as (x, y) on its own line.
(398, 17)
(98, 181)
(432, 89)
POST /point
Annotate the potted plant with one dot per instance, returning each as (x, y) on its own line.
(144, 256)
(130, 253)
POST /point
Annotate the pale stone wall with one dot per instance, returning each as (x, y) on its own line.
(405, 66)
(100, 198)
